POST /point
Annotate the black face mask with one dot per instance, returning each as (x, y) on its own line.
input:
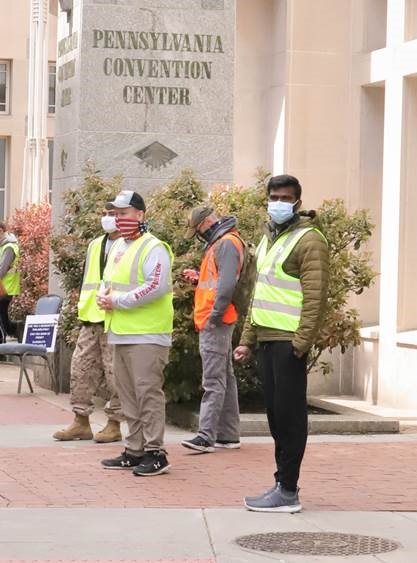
(206, 236)
(200, 237)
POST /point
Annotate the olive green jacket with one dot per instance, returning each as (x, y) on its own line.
(309, 262)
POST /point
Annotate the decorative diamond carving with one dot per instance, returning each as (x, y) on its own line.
(156, 155)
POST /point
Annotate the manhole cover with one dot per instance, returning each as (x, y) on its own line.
(306, 543)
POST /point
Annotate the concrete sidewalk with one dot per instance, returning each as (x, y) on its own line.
(57, 504)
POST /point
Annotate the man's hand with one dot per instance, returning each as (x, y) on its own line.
(191, 276)
(242, 354)
(297, 353)
(105, 300)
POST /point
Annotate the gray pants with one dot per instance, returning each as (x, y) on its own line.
(219, 409)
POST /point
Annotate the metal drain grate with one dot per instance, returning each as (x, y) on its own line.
(320, 543)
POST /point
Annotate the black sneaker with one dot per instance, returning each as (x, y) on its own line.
(124, 461)
(153, 463)
(198, 444)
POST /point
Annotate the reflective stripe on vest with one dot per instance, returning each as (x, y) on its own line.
(124, 273)
(278, 297)
(11, 279)
(88, 309)
(206, 291)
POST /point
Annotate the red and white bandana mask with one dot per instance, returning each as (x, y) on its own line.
(131, 229)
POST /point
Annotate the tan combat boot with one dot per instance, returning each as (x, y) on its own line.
(80, 429)
(110, 433)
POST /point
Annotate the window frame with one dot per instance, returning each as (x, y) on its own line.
(51, 146)
(6, 62)
(51, 64)
(6, 176)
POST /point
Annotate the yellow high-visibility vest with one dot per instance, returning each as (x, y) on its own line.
(278, 297)
(125, 273)
(88, 310)
(11, 280)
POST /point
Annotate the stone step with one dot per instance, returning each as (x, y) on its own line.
(255, 424)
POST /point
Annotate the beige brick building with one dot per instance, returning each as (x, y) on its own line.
(14, 39)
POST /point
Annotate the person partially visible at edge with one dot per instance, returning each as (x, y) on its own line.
(92, 360)
(138, 302)
(215, 317)
(286, 313)
(9, 279)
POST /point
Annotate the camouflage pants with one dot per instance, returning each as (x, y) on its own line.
(92, 362)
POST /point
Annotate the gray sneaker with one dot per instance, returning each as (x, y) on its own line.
(276, 500)
(265, 494)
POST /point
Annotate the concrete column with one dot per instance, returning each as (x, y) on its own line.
(391, 196)
(35, 176)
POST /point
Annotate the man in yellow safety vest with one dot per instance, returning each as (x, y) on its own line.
(9, 279)
(287, 308)
(139, 317)
(92, 360)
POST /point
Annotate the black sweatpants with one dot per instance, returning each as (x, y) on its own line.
(8, 326)
(285, 387)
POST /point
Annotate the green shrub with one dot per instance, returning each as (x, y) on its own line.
(350, 271)
(168, 211)
(350, 274)
(167, 214)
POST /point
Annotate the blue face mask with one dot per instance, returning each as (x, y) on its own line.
(281, 211)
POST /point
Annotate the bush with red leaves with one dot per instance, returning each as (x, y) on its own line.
(32, 227)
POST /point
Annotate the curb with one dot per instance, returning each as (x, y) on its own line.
(342, 421)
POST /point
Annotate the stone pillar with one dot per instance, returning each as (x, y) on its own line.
(391, 205)
(35, 174)
(145, 89)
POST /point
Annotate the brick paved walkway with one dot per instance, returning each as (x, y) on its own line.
(336, 476)
(31, 409)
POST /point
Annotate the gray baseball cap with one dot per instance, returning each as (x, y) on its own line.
(197, 216)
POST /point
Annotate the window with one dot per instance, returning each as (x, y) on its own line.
(4, 86)
(2, 176)
(51, 87)
(51, 165)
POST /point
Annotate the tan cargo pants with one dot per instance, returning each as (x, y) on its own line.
(92, 365)
(139, 370)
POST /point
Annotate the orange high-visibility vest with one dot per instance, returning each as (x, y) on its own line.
(206, 291)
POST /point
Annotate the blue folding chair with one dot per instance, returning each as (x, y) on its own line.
(46, 305)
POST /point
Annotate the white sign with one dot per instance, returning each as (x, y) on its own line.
(41, 330)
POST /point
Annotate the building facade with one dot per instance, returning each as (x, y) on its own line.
(324, 90)
(14, 40)
(327, 91)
